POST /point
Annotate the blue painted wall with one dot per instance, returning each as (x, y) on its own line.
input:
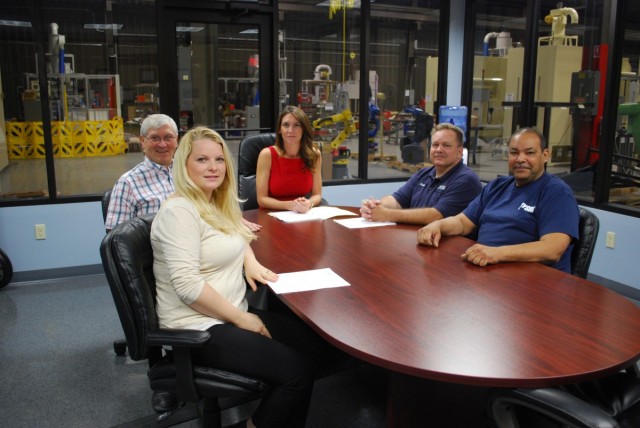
(619, 263)
(74, 232)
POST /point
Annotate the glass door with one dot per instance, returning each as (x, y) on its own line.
(218, 76)
(217, 63)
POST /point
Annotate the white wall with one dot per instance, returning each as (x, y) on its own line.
(74, 232)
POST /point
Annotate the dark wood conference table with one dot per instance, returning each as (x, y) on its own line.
(445, 329)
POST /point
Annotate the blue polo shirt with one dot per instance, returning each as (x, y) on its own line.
(509, 215)
(449, 194)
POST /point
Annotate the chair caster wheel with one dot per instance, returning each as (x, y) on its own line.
(120, 347)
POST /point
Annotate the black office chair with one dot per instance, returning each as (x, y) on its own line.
(411, 148)
(127, 258)
(119, 346)
(106, 198)
(610, 402)
(583, 249)
(250, 148)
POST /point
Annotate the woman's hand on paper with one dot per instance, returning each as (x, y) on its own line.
(301, 205)
(254, 271)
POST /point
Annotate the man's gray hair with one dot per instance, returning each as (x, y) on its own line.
(155, 121)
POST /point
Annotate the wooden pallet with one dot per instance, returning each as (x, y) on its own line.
(409, 167)
(376, 158)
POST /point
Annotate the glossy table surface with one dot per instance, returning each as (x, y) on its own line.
(424, 312)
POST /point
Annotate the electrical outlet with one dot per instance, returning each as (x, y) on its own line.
(41, 231)
(611, 239)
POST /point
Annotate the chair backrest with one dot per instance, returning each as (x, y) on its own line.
(106, 197)
(248, 152)
(583, 249)
(424, 125)
(127, 258)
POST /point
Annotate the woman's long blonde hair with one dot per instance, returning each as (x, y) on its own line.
(222, 211)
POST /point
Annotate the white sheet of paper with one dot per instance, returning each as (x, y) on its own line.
(360, 222)
(317, 213)
(307, 280)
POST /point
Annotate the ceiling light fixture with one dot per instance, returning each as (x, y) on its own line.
(102, 27)
(189, 29)
(12, 23)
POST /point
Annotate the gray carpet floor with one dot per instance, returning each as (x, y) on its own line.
(58, 367)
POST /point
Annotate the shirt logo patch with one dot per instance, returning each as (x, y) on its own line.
(421, 185)
(442, 187)
(526, 207)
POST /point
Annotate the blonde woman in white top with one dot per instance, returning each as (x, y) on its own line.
(200, 248)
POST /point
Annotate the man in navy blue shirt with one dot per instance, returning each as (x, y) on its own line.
(530, 216)
(432, 193)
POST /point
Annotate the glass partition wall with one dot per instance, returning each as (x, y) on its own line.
(624, 185)
(547, 64)
(498, 64)
(77, 77)
(73, 122)
(555, 65)
(17, 41)
(320, 71)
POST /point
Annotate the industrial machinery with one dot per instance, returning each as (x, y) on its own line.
(339, 154)
(503, 43)
(559, 56)
(85, 111)
(374, 126)
(320, 98)
(56, 50)
(557, 18)
(489, 89)
(585, 86)
(317, 95)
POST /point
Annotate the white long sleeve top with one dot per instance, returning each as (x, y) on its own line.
(189, 254)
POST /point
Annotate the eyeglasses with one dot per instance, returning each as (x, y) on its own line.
(166, 138)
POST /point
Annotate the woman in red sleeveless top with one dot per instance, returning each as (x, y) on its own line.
(288, 175)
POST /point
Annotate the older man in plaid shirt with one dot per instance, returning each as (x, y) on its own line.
(142, 189)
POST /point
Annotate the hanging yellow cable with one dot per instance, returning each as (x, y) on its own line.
(336, 5)
(344, 43)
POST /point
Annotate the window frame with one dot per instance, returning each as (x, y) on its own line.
(615, 40)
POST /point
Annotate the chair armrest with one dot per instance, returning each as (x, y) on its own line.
(178, 338)
(553, 403)
(181, 340)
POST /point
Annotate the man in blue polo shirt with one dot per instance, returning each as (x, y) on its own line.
(530, 216)
(432, 193)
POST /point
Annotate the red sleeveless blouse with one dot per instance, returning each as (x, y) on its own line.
(289, 178)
